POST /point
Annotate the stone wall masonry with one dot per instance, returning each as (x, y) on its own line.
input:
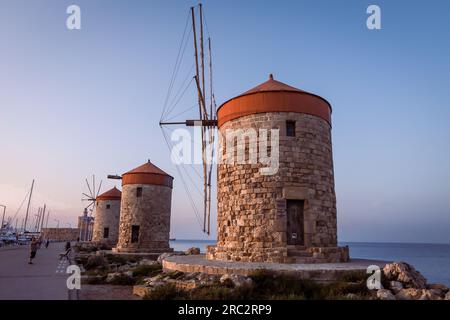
(107, 218)
(60, 234)
(151, 213)
(251, 207)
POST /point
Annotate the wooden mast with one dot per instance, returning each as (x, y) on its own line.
(206, 121)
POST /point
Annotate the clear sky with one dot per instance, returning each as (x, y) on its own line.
(82, 102)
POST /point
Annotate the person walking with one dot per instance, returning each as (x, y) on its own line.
(47, 243)
(33, 250)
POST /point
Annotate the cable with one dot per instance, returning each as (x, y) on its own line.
(194, 207)
(175, 67)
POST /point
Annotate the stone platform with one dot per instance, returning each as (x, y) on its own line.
(323, 272)
(139, 255)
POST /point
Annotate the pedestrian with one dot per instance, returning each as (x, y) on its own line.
(33, 249)
(67, 245)
(47, 243)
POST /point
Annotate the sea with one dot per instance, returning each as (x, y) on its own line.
(432, 260)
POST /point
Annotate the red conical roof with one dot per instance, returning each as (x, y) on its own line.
(271, 85)
(147, 167)
(147, 173)
(113, 194)
(273, 96)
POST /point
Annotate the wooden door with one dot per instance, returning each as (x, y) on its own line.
(295, 222)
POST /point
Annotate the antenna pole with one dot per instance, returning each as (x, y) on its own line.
(28, 207)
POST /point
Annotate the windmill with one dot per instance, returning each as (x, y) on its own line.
(91, 197)
(207, 108)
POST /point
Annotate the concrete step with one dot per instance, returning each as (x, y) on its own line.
(299, 253)
(301, 260)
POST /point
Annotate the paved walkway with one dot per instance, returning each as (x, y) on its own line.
(43, 280)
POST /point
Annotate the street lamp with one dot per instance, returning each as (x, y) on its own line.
(3, 217)
(57, 221)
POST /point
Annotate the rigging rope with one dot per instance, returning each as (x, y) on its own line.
(176, 67)
(194, 207)
(15, 215)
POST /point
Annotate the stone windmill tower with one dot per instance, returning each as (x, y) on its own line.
(289, 215)
(145, 210)
(107, 216)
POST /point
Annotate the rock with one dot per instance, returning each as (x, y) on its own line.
(226, 279)
(111, 276)
(409, 294)
(447, 296)
(384, 294)
(168, 254)
(192, 251)
(128, 273)
(123, 268)
(235, 279)
(192, 275)
(432, 294)
(147, 262)
(438, 286)
(151, 281)
(141, 291)
(395, 286)
(406, 274)
(186, 284)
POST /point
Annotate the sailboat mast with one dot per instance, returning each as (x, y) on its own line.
(28, 207)
(43, 216)
(46, 222)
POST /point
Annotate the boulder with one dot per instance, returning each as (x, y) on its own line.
(128, 273)
(236, 280)
(141, 291)
(384, 294)
(438, 286)
(124, 268)
(168, 254)
(192, 251)
(432, 294)
(409, 294)
(395, 286)
(406, 274)
(111, 276)
(147, 262)
(154, 281)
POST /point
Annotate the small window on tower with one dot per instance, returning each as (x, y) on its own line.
(105, 233)
(290, 128)
(134, 234)
(139, 192)
(108, 206)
